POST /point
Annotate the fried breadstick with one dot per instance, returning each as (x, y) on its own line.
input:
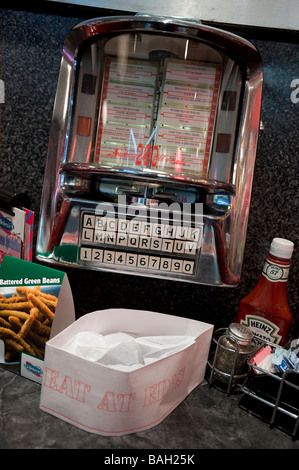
(41, 306)
(5, 334)
(38, 340)
(16, 313)
(13, 299)
(38, 352)
(25, 291)
(41, 329)
(33, 339)
(28, 323)
(15, 306)
(15, 323)
(13, 348)
(4, 323)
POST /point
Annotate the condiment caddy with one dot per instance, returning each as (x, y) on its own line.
(262, 372)
(273, 395)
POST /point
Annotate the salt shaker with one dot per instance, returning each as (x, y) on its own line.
(234, 348)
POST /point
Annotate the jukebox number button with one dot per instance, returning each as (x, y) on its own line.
(154, 262)
(142, 261)
(176, 265)
(85, 254)
(132, 259)
(109, 257)
(188, 267)
(97, 255)
(120, 258)
(165, 264)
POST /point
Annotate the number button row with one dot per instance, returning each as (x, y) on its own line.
(136, 260)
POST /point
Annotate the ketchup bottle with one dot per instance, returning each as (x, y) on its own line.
(266, 310)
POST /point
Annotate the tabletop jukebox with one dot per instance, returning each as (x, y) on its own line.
(152, 150)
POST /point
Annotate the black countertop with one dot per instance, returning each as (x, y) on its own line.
(207, 419)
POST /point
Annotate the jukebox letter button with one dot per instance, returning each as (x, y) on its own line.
(133, 241)
(99, 236)
(179, 246)
(111, 224)
(135, 227)
(145, 242)
(121, 239)
(88, 221)
(87, 235)
(156, 243)
(194, 234)
(181, 232)
(167, 245)
(157, 230)
(110, 238)
(100, 223)
(123, 225)
(190, 248)
(145, 229)
(169, 231)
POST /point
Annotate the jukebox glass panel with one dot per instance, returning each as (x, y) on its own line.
(149, 102)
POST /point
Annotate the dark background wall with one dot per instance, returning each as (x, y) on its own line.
(31, 40)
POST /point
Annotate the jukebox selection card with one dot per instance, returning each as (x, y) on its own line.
(157, 116)
(126, 112)
(187, 114)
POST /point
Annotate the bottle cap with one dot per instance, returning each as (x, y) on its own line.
(281, 248)
(242, 333)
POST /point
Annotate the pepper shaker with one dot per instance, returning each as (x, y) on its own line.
(233, 350)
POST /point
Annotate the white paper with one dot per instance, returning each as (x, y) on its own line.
(123, 351)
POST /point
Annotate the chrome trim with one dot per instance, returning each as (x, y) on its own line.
(148, 175)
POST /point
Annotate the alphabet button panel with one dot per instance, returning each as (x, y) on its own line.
(138, 244)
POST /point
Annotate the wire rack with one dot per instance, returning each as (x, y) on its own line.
(273, 397)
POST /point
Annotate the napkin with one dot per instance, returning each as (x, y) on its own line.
(123, 351)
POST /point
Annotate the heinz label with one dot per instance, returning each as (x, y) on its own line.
(262, 329)
(275, 272)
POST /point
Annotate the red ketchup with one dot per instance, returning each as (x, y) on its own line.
(266, 310)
